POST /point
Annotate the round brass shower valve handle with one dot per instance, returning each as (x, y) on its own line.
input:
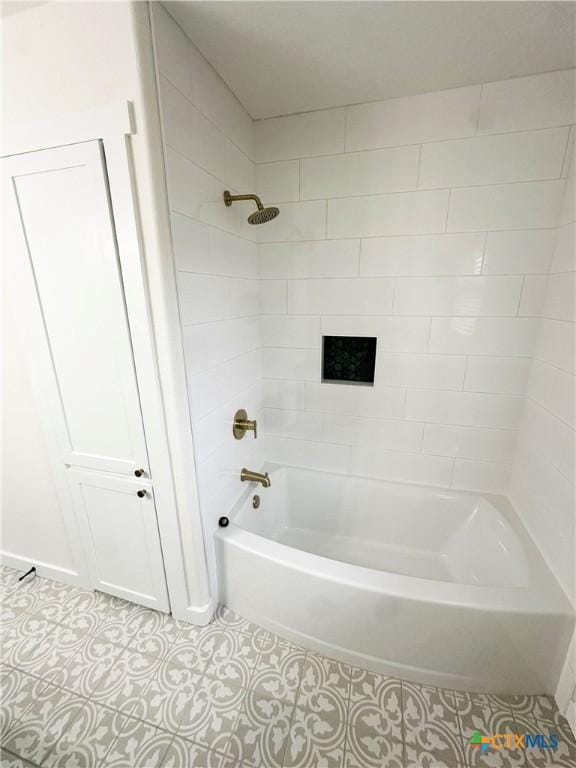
(243, 424)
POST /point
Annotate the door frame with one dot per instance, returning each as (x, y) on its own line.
(154, 337)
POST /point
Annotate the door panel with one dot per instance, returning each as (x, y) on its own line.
(66, 235)
(121, 537)
(66, 279)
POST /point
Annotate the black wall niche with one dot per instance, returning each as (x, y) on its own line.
(348, 359)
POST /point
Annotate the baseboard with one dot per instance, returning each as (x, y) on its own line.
(45, 570)
(566, 690)
(199, 615)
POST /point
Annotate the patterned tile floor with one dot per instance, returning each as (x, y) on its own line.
(88, 680)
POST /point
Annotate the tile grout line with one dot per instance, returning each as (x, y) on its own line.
(293, 714)
(347, 724)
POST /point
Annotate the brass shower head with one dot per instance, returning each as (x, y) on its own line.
(261, 216)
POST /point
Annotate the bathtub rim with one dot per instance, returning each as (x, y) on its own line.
(543, 595)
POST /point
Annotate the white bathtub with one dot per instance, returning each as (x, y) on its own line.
(440, 587)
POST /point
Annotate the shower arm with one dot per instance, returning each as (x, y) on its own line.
(229, 199)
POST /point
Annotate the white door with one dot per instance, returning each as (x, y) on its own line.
(66, 276)
(117, 518)
(62, 230)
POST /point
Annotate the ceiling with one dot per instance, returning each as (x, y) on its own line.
(9, 7)
(284, 57)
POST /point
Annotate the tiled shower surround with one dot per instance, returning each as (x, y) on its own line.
(542, 484)
(457, 251)
(89, 681)
(439, 223)
(443, 224)
(208, 145)
(429, 222)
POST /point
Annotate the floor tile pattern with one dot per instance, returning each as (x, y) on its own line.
(90, 681)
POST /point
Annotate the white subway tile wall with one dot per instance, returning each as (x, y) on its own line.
(434, 229)
(413, 119)
(423, 255)
(539, 101)
(542, 483)
(279, 181)
(208, 139)
(511, 157)
(431, 222)
(525, 205)
(405, 213)
(296, 136)
(443, 225)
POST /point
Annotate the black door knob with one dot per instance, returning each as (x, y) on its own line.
(141, 494)
(139, 472)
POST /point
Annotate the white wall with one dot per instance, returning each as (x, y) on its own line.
(429, 222)
(208, 141)
(77, 78)
(52, 59)
(67, 57)
(542, 483)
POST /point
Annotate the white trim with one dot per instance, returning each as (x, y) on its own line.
(567, 686)
(71, 128)
(174, 341)
(174, 528)
(44, 570)
(200, 615)
(153, 197)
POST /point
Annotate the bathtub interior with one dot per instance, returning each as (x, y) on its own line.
(404, 529)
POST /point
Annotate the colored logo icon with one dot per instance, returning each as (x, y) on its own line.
(482, 742)
(514, 741)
